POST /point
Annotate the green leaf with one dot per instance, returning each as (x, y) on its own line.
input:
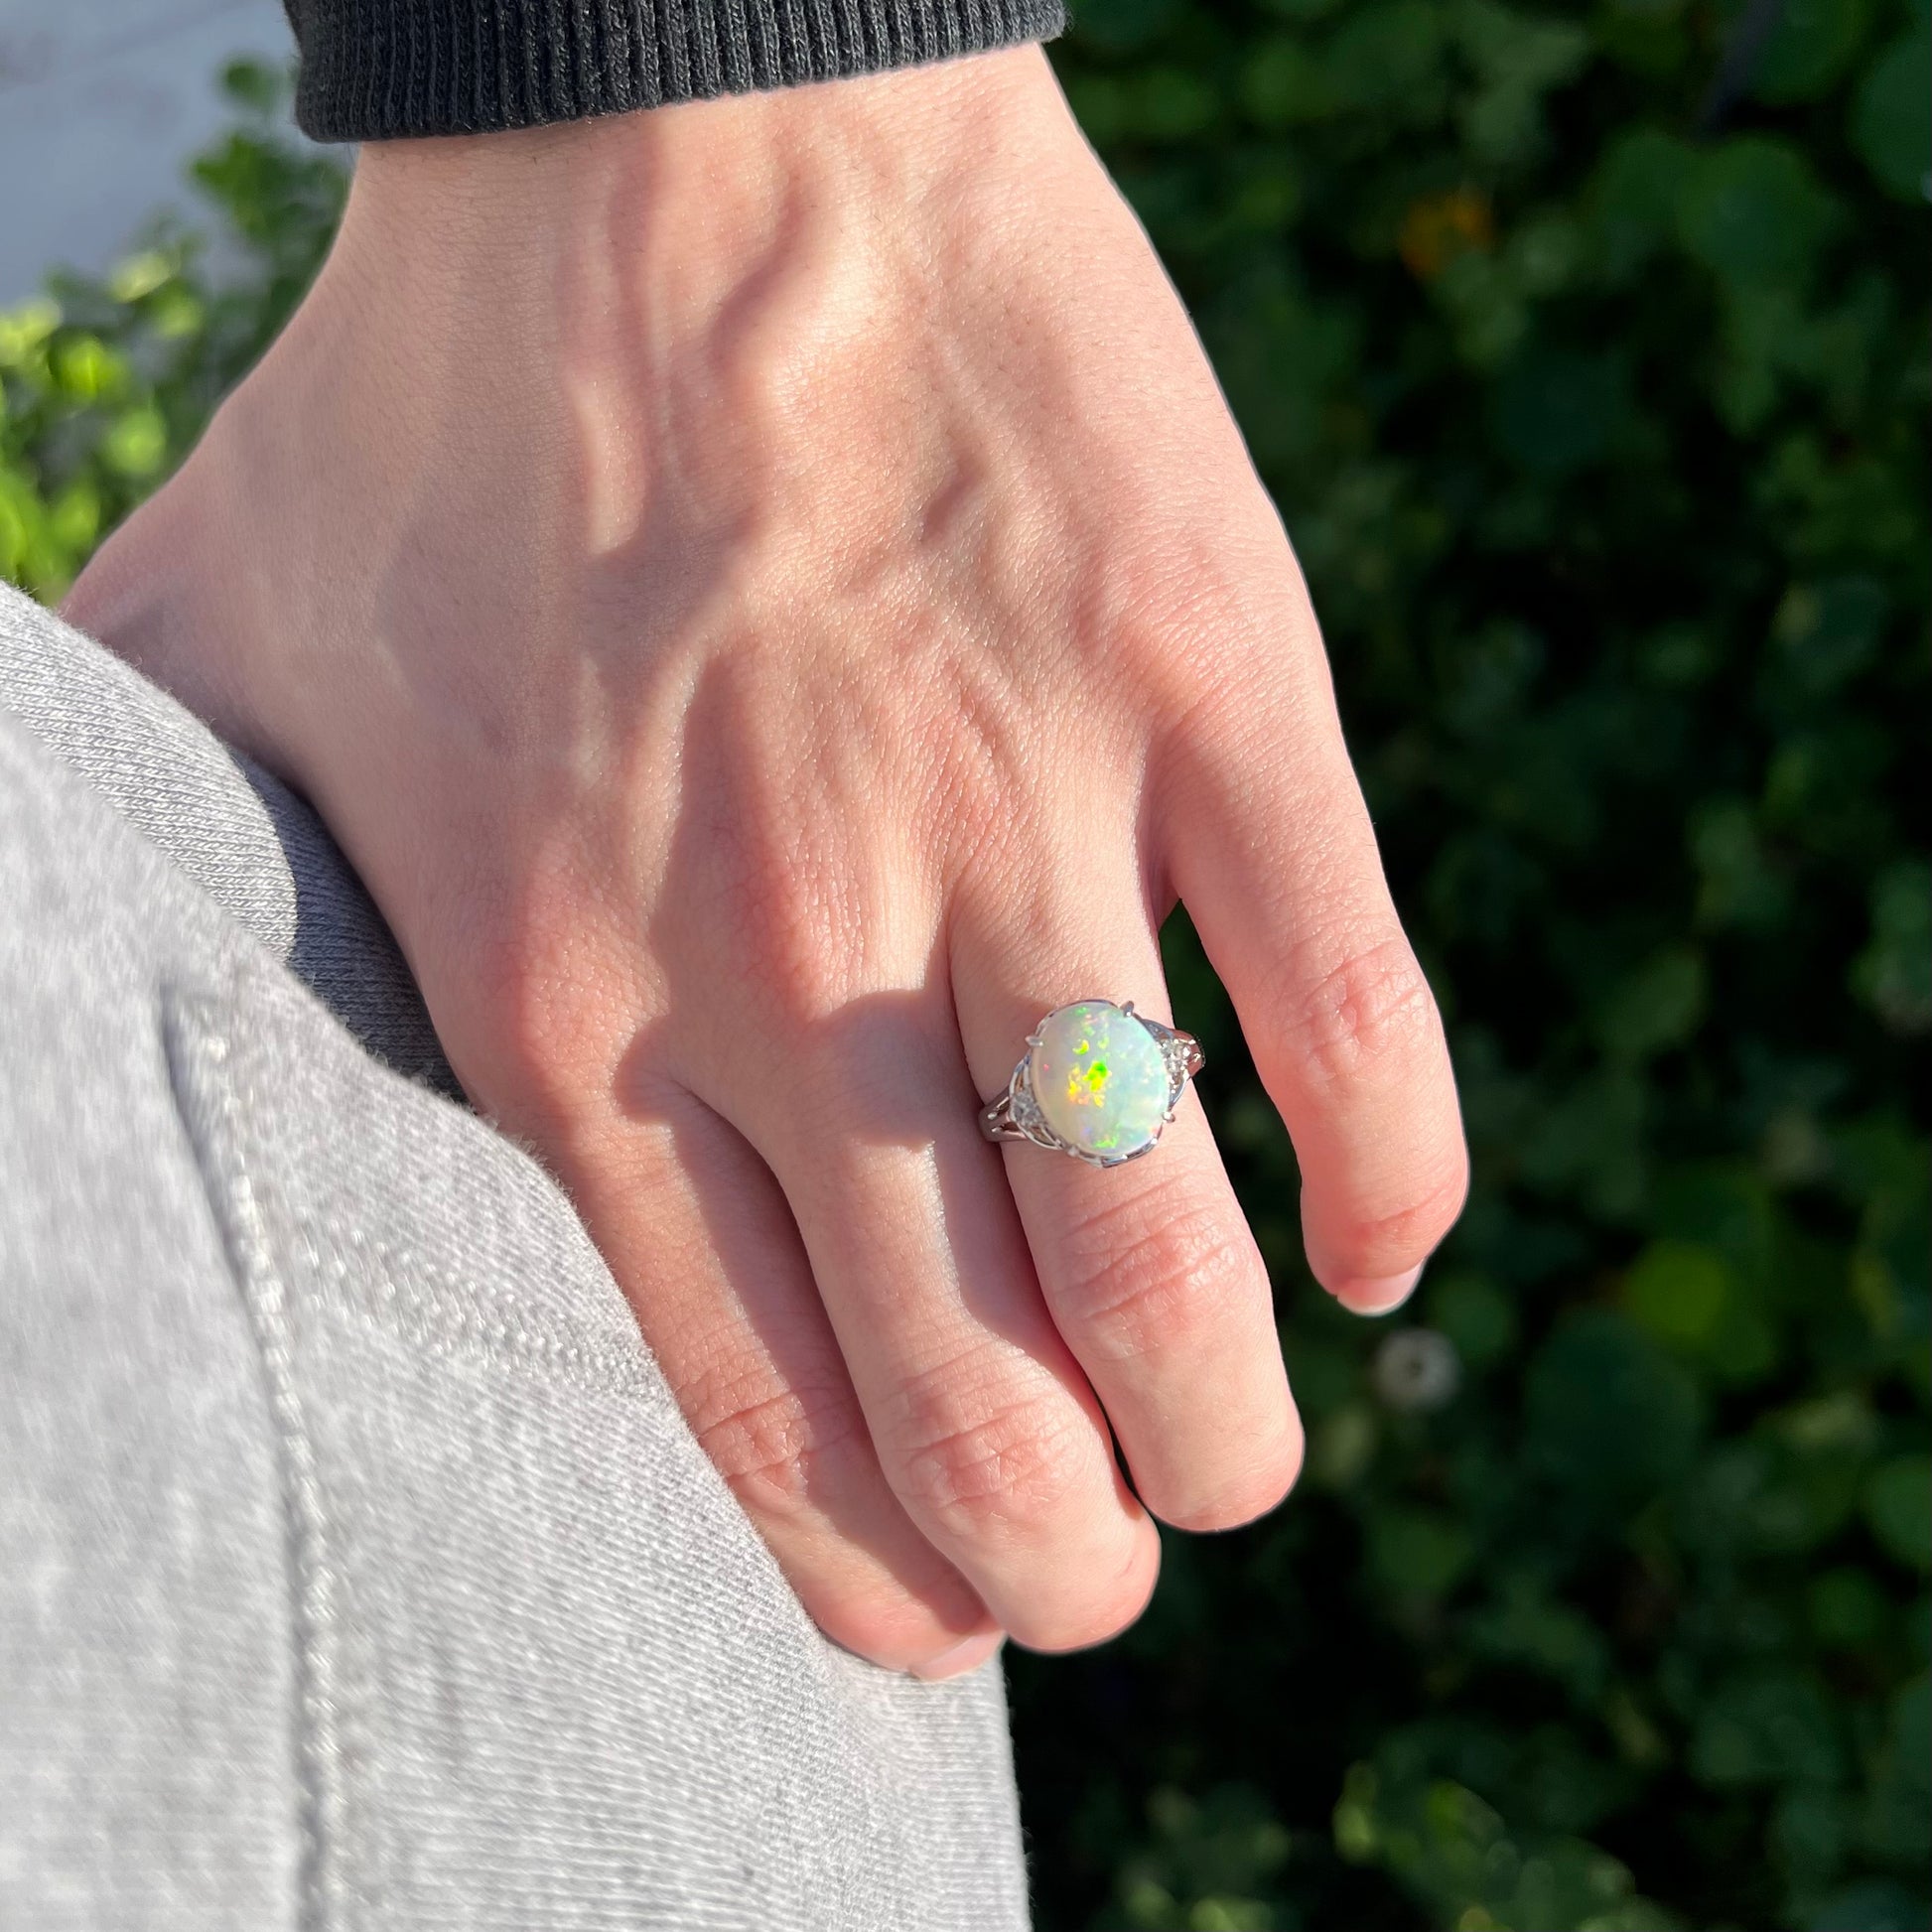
(175, 314)
(1122, 26)
(1679, 1292)
(1520, 57)
(1175, 104)
(1475, 1314)
(261, 89)
(1892, 118)
(1741, 883)
(1756, 214)
(1211, 1865)
(1893, 975)
(73, 519)
(1418, 1552)
(1830, 632)
(1811, 46)
(87, 370)
(1898, 1816)
(1899, 1506)
(1656, 1008)
(1285, 86)
(1531, 1629)
(1871, 1906)
(1810, 1832)
(140, 275)
(23, 328)
(137, 444)
(1646, 35)
(1557, 411)
(1611, 1417)
(1766, 1727)
(1847, 1608)
(1388, 57)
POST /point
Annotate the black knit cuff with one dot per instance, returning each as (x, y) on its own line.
(375, 69)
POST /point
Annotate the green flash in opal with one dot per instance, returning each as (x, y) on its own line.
(1100, 1078)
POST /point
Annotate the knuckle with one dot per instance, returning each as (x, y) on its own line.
(1144, 1268)
(1373, 1013)
(784, 926)
(772, 1445)
(531, 1016)
(1015, 1466)
(773, 906)
(1218, 626)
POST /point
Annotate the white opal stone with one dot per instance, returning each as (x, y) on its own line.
(1100, 1079)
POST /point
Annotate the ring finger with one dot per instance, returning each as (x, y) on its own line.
(1148, 1269)
(983, 1423)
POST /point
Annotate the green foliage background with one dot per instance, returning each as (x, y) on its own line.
(1583, 348)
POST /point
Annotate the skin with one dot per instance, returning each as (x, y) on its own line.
(771, 600)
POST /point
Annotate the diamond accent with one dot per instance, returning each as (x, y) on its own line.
(1182, 1051)
(1025, 1109)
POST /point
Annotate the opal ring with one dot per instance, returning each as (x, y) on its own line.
(1098, 1081)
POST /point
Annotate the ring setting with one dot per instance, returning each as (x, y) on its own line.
(1098, 1082)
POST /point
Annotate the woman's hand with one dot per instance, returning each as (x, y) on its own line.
(769, 598)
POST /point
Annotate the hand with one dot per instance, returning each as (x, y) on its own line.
(768, 597)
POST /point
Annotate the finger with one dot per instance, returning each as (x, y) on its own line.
(695, 1228)
(1149, 1268)
(1272, 850)
(982, 1421)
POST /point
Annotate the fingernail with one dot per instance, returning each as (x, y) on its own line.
(1377, 1296)
(969, 1654)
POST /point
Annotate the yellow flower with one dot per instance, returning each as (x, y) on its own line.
(1438, 227)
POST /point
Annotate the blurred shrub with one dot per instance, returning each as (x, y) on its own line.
(104, 385)
(1584, 351)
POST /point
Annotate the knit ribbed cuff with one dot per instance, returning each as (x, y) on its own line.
(373, 70)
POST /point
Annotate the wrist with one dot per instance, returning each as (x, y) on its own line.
(719, 177)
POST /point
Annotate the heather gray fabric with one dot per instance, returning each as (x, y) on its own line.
(357, 1568)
